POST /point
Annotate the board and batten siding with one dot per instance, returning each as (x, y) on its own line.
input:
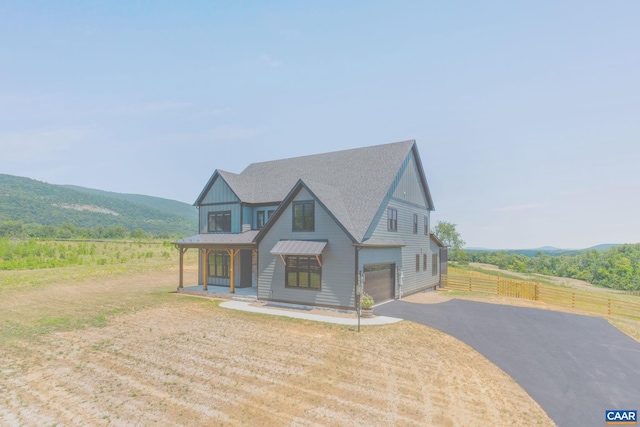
(219, 192)
(338, 261)
(408, 197)
(219, 198)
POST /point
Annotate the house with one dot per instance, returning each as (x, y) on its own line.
(302, 230)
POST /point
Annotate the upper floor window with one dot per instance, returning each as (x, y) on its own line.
(270, 212)
(426, 225)
(260, 219)
(415, 223)
(392, 219)
(220, 221)
(303, 216)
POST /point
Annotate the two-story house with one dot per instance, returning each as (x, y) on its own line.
(301, 230)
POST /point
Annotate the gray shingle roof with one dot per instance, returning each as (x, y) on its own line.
(351, 183)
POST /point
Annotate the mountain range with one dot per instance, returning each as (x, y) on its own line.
(34, 202)
(548, 250)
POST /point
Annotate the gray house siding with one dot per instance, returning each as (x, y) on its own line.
(219, 192)
(406, 195)
(247, 218)
(235, 208)
(266, 210)
(338, 261)
(220, 198)
(435, 250)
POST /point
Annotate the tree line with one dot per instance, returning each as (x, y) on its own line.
(68, 230)
(616, 268)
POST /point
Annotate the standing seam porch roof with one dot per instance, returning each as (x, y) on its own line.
(352, 184)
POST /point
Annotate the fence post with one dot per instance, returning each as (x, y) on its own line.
(469, 284)
(573, 300)
(608, 305)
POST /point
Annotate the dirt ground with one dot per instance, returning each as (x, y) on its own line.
(166, 359)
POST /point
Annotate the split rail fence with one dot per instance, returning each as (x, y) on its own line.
(604, 303)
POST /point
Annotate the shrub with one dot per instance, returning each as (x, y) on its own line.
(366, 302)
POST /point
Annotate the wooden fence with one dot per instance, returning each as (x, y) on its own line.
(603, 303)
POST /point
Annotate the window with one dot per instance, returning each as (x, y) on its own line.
(303, 272)
(426, 225)
(434, 264)
(303, 218)
(415, 223)
(219, 265)
(220, 222)
(417, 262)
(392, 219)
(424, 262)
(269, 213)
(260, 219)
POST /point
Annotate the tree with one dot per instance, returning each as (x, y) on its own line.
(447, 234)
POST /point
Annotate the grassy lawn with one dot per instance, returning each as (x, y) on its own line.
(113, 345)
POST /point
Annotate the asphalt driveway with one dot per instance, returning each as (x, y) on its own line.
(575, 367)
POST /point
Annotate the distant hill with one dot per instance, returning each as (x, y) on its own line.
(34, 202)
(173, 207)
(605, 246)
(547, 250)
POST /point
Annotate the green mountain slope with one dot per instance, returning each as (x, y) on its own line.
(33, 202)
(173, 207)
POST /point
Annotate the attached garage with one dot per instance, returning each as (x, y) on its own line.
(379, 281)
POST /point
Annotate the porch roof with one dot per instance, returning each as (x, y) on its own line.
(299, 247)
(227, 240)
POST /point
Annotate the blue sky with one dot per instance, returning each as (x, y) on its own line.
(526, 114)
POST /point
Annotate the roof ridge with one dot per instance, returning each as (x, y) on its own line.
(327, 153)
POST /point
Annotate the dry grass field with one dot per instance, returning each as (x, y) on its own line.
(105, 347)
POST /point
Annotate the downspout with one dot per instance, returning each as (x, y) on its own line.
(355, 276)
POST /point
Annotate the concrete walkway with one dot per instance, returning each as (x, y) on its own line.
(246, 306)
(575, 367)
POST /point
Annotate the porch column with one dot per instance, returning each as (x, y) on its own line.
(205, 268)
(181, 282)
(232, 260)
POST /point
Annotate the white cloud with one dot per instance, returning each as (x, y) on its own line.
(513, 208)
(273, 63)
(18, 146)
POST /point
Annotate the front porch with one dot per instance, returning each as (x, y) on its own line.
(226, 263)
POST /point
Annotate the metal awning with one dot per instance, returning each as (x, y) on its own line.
(298, 247)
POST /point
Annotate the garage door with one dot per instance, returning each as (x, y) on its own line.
(379, 281)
